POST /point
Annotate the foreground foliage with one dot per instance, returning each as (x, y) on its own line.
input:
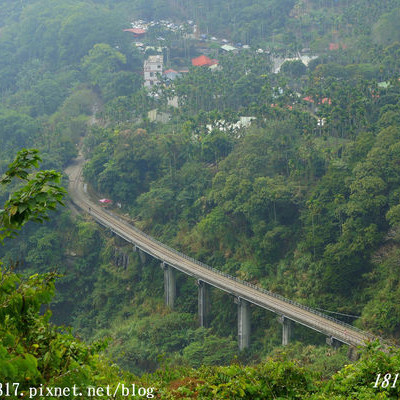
(34, 352)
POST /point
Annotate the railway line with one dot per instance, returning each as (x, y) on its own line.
(242, 290)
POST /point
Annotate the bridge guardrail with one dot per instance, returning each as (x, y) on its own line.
(240, 281)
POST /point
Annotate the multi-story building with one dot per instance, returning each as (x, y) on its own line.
(153, 68)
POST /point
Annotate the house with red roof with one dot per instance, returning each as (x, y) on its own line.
(203, 61)
(137, 32)
(325, 100)
(313, 105)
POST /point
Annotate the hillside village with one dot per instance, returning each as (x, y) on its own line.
(205, 46)
(159, 69)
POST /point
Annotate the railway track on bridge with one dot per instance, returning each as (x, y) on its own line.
(287, 308)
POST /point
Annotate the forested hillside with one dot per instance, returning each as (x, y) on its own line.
(303, 199)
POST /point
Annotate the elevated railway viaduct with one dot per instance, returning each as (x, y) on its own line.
(244, 293)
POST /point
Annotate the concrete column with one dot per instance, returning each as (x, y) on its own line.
(243, 323)
(331, 341)
(203, 303)
(353, 354)
(169, 285)
(142, 256)
(286, 329)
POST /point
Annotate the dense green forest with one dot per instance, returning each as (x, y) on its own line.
(304, 202)
(45, 361)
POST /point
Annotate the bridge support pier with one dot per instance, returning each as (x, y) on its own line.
(169, 285)
(203, 303)
(286, 329)
(243, 323)
(353, 354)
(142, 256)
(331, 341)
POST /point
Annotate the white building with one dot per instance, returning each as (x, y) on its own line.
(153, 67)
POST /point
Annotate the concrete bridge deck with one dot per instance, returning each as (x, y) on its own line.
(284, 307)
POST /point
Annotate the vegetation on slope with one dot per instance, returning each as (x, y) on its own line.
(305, 202)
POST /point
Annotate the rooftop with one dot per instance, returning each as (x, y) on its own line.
(203, 61)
